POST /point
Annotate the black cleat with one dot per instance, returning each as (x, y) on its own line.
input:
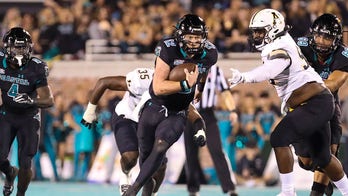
(329, 189)
(232, 193)
(316, 193)
(9, 180)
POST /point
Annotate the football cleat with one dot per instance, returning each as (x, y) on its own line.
(232, 193)
(124, 188)
(283, 194)
(193, 194)
(9, 180)
(125, 182)
(329, 189)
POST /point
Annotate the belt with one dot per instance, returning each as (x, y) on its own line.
(164, 109)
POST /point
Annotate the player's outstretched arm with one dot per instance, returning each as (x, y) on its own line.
(336, 79)
(115, 83)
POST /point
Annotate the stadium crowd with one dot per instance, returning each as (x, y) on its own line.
(61, 29)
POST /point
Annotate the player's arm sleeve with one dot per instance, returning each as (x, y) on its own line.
(114, 83)
(277, 62)
(43, 73)
(161, 51)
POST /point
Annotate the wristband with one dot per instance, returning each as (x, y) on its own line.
(91, 107)
(184, 85)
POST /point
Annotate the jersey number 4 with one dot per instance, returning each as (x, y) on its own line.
(13, 91)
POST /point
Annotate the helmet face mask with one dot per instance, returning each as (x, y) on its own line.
(257, 36)
(267, 22)
(191, 34)
(18, 46)
(325, 34)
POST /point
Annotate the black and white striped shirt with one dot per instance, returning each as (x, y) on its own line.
(215, 82)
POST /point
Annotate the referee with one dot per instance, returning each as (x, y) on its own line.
(215, 82)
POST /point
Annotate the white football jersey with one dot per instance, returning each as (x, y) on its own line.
(286, 79)
(138, 81)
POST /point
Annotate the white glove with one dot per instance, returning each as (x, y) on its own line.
(89, 118)
(236, 78)
(23, 98)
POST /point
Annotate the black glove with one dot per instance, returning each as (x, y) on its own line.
(199, 138)
(91, 125)
(23, 98)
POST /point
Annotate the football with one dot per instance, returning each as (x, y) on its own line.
(178, 74)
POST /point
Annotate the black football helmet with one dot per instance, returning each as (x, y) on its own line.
(191, 24)
(18, 46)
(329, 26)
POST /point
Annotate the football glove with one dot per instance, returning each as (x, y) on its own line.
(199, 138)
(89, 118)
(23, 98)
(236, 78)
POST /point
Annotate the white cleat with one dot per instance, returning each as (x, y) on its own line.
(125, 182)
(284, 194)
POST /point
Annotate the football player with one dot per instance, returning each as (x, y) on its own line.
(301, 89)
(125, 118)
(24, 89)
(325, 53)
(164, 116)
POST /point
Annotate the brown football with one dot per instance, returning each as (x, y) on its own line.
(178, 74)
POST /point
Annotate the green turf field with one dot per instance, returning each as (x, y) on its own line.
(86, 189)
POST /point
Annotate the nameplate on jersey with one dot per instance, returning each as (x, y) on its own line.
(302, 41)
(345, 52)
(178, 61)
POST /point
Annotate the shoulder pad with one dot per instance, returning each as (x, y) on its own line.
(279, 53)
(208, 45)
(36, 60)
(169, 43)
(345, 52)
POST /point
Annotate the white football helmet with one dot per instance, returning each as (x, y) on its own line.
(269, 23)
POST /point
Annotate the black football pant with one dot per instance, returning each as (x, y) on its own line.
(215, 149)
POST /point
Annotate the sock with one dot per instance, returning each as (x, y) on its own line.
(320, 188)
(342, 185)
(125, 178)
(287, 183)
